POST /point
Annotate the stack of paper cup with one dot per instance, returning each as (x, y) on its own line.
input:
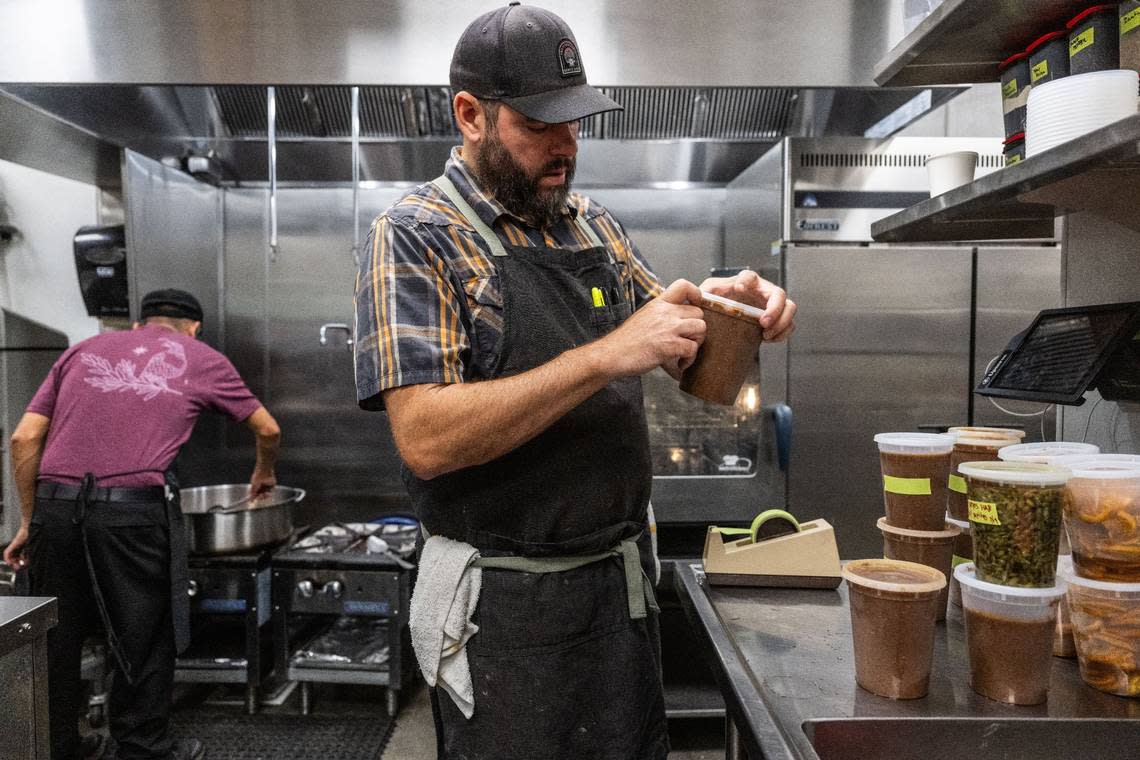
(1068, 108)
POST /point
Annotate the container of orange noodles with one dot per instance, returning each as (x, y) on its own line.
(1106, 629)
(1102, 517)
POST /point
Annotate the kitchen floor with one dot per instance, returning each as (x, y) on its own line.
(414, 735)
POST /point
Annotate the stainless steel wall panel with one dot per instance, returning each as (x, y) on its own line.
(815, 43)
(882, 344)
(1013, 285)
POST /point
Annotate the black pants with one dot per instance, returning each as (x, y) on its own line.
(130, 550)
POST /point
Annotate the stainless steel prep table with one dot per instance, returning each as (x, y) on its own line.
(785, 665)
(24, 624)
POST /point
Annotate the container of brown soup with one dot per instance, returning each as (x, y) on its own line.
(732, 340)
(970, 447)
(893, 609)
(933, 548)
(1009, 637)
(915, 469)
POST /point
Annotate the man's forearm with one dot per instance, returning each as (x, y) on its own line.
(467, 424)
(268, 445)
(26, 467)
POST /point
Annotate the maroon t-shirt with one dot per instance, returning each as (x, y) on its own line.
(125, 402)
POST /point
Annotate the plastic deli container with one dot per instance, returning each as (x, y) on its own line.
(1076, 459)
(1015, 514)
(947, 171)
(1094, 39)
(1102, 517)
(972, 429)
(916, 469)
(971, 447)
(1013, 148)
(1130, 35)
(1048, 58)
(1064, 644)
(1009, 637)
(730, 349)
(1014, 92)
(963, 552)
(1106, 628)
(893, 610)
(933, 548)
(1046, 452)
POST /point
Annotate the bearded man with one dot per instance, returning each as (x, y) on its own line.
(504, 323)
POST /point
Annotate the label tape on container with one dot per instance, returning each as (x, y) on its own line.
(959, 561)
(1130, 21)
(1012, 160)
(1040, 71)
(957, 484)
(1081, 41)
(1009, 89)
(983, 512)
(906, 486)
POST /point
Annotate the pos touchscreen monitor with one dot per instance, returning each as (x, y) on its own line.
(1063, 353)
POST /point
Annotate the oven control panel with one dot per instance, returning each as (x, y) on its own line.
(344, 592)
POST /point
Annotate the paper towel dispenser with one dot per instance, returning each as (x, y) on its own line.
(101, 262)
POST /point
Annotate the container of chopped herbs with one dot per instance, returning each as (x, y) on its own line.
(1015, 511)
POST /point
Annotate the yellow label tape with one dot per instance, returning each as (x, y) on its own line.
(1009, 89)
(959, 561)
(957, 484)
(1081, 41)
(1129, 21)
(1010, 161)
(1040, 71)
(599, 299)
(983, 512)
(906, 486)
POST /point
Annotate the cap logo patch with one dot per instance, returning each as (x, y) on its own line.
(568, 58)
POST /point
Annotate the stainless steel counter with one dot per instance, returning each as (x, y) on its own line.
(786, 668)
(24, 623)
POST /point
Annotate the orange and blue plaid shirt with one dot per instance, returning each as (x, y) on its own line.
(427, 300)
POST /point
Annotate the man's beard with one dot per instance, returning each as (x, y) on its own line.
(520, 193)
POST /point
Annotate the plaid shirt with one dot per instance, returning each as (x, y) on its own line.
(427, 300)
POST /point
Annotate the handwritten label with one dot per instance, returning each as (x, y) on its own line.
(1129, 21)
(1009, 89)
(1081, 41)
(1040, 71)
(983, 512)
(1012, 159)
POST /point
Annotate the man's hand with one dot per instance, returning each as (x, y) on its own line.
(261, 483)
(748, 287)
(14, 555)
(667, 332)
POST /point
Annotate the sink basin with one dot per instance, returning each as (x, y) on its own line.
(958, 738)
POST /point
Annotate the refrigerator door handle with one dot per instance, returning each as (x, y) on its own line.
(782, 424)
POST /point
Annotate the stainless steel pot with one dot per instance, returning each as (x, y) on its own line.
(219, 519)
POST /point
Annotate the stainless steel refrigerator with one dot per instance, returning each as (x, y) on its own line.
(889, 337)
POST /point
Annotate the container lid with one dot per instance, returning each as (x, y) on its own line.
(1094, 470)
(1101, 8)
(1011, 60)
(1016, 137)
(966, 574)
(1016, 473)
(1074, 459)
(743, 310)
(1045, 451)
(971, 429)
(915, 443)
(920, 536)
(963, 525)
(893, 576)
(1104, 588)
(1043, 39)
(990, 441)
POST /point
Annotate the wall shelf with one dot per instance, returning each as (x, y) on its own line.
(1098, 173)
(963, 41)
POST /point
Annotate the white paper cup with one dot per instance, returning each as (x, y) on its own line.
(950, 170)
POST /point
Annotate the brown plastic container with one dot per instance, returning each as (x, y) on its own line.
(971, 447)
(732, 339)
(893, 610)
(915, 469)
(933, 548)
(1102, 517)
(1063, 643)
(1009, 637)
(963, 552)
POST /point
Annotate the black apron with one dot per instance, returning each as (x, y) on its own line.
(560, 667)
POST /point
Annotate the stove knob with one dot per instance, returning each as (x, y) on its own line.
(192, 588)
(305, 589)
(333, 589)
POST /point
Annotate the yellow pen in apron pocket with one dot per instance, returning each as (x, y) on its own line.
(599, 297)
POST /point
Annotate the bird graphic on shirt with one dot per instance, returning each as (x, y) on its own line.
(164, 366)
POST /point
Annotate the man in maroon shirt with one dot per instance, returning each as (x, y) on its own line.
(105, 535)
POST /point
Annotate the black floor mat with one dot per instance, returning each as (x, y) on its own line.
(230, 735)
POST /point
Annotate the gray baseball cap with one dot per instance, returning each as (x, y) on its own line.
(528, 58)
